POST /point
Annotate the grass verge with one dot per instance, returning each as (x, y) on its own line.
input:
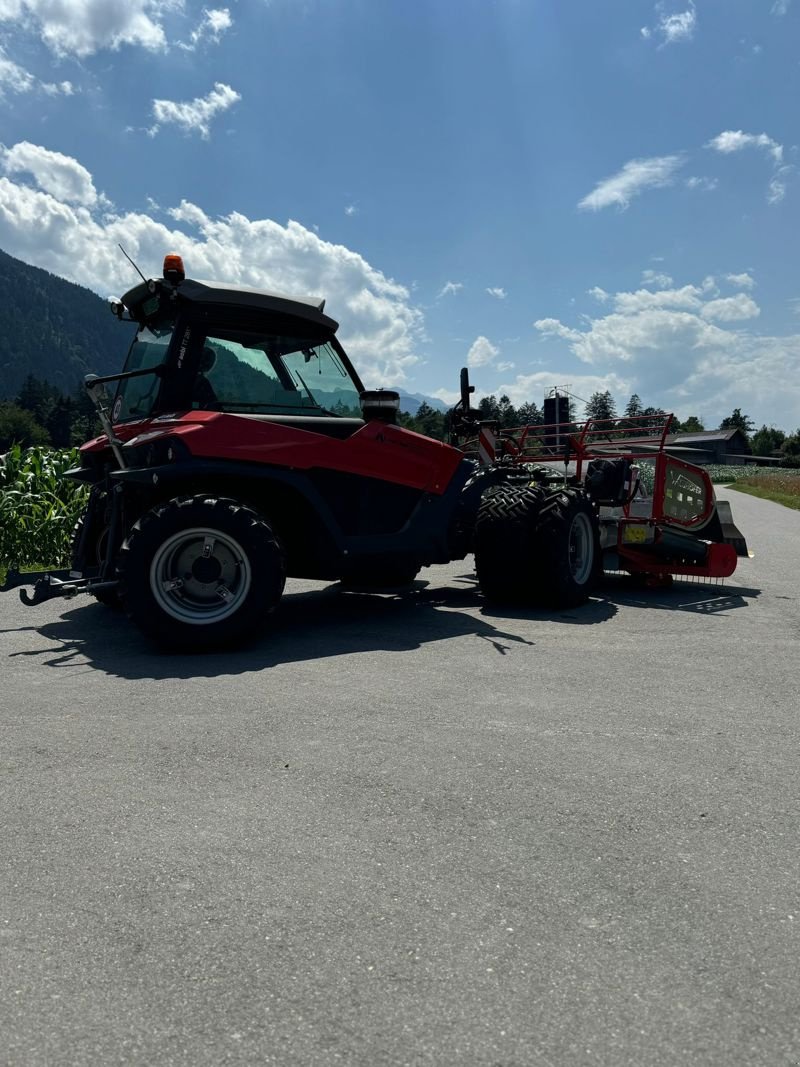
(789, 497)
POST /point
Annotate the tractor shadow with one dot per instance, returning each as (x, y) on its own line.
(310, 624)
(324, 621)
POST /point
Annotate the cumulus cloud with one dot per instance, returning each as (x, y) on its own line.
(195, 116)
(62, 176)
(741, 281)
(636, 176)
(497, 293)
(82, 27)
(214, 23)
(482, 352)
(76, 239)
(684, 347)
(731, 308)
(672, 26)
(450, 289)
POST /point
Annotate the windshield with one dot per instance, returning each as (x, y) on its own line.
(274, 375)
(136, 396)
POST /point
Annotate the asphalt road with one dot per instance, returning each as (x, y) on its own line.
(410, 830)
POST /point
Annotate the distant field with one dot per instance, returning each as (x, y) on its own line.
(781, 486)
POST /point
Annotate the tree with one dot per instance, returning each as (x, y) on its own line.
(601, 406)
(737, 421)
(508, 413)
(530, 415)
(634, 407)
(489, 409)
(691, 425)
(428, 421)
(791, 451)
(19, 427)
(767, 440)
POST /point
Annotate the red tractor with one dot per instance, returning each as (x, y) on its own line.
(240, 447)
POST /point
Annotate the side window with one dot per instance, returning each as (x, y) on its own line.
(232, 376)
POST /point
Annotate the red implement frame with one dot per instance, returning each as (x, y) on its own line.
(682, 499)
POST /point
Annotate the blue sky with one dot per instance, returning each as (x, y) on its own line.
(556, 192)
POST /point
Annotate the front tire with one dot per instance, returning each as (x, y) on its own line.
(201, 572)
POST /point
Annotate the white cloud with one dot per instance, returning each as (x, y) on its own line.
(15, 79)
(351, 210)
(214, 23)
(731, 308)
(498, 293)
(654, 277)
(741, 281)
(735, 140)
(450, 289)
(54, 173)
(482, 352)
(599, 294)
(534, 387)
(195, 115)
(82, 27)
(672, 26)
(776, 190)
(64, 88)
(688, 350)
(636, 176)
(705, 185)
(380, 327)
(780, 7)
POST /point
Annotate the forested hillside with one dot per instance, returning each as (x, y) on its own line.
(53, 330)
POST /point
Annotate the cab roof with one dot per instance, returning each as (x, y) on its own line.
(230, 297)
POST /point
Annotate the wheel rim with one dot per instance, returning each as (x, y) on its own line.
(200, 576)
(581, 548)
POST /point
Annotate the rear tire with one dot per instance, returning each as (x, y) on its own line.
(201, 572)
(536, 547)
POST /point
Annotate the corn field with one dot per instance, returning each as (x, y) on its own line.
(38, 506)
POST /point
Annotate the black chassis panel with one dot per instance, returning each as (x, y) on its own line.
(425, 537)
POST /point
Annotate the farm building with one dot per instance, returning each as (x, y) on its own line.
(713, 446)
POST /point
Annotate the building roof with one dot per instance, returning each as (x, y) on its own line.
(703, 436)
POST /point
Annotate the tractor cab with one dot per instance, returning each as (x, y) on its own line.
(201, 346)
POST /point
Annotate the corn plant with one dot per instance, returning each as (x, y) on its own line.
(38, 506)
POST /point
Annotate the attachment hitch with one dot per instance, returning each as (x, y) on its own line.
(48, 585)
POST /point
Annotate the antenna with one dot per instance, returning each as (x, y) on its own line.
(125, 254)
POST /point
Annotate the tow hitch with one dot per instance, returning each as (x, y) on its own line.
(48, 585)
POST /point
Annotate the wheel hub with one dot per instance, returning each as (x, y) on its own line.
(200, 576)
